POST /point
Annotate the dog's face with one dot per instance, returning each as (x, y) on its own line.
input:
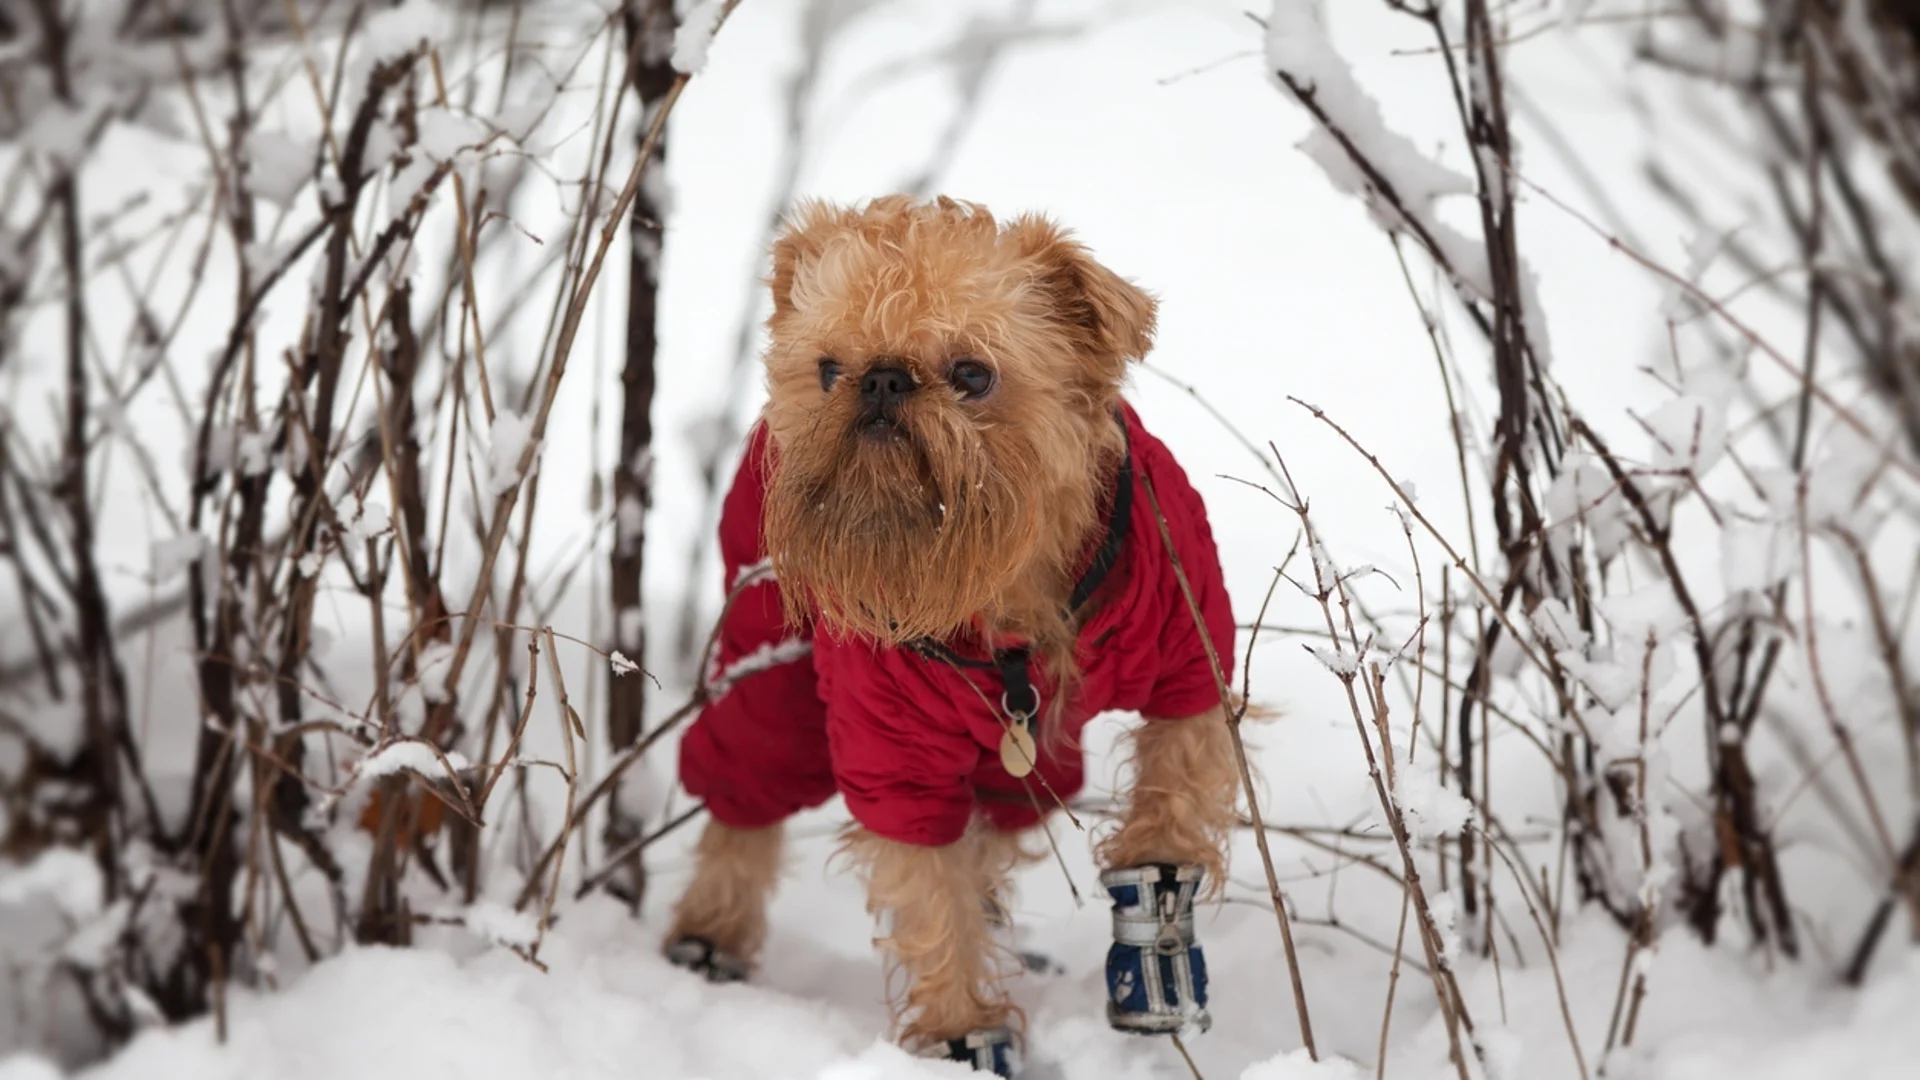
(941, 393)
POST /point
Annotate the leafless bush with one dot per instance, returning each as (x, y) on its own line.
(1826, 98)
(361, 460)
(1565, 632)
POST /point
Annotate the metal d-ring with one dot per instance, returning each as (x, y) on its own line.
(1016, 715)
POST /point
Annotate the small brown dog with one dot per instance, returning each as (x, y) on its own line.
(950, 545)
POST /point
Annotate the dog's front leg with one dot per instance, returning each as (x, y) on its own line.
(1180, 809)
(941, 935)
(721, 920)
(1170, 848)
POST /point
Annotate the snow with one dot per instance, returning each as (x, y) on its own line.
(172, 557)
(695, 36)
(1688, 434)
(64, 876)
(409, 755)
(1342, 662)
(610, 1007)
(433, 666)
(408, 25)
(1299, 53)
(1274, 282)
(506, 445)
(279, 165)
(604, 1012)
(629, 523)
(1429, 808)
(1298, 1065)
(762, 658)
(499, 924)
(59, 133)
(756, 573)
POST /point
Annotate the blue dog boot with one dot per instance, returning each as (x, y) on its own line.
(1156, 974)
(989, 1051)
(699, 955)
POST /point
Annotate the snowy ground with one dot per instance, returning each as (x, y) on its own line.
(1272, 284)
(611, 1008)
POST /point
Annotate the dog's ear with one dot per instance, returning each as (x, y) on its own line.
(802, 238)
(1112, 318)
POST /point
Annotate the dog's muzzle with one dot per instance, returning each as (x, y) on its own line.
(884, 389)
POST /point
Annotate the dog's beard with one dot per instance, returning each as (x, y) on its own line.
(903, 539)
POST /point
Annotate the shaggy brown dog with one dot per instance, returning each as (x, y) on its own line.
(943, 447)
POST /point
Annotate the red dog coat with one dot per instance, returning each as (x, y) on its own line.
(800, 713)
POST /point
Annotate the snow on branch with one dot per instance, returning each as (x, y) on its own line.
(765, 658)
(1362, 156)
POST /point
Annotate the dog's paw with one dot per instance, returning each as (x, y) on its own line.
(989, 1051)
(1156, 971)
(1039, 963)
(699, 955)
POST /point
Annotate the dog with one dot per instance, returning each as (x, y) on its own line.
(949, 544)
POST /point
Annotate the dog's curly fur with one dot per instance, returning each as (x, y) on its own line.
(940, 934)
(1180, 807)
(726, 904)
(975, 518)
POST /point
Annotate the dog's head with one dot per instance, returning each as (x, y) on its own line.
(941, 394)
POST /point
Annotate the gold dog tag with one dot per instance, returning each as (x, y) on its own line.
(1017, 753)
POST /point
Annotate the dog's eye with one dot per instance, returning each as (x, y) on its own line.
(829, 372)
(970, 378)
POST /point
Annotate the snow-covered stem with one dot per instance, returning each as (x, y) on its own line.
(1326, 586)
(570, 729)
(1234, 712)
(650, 36)
(634, 754)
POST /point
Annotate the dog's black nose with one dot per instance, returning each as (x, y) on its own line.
(883, 387)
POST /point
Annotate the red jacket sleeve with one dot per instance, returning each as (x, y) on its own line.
(904, 776)
(1186, 685)
(757, 753)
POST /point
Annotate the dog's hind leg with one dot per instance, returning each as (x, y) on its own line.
(1007, 851)
(1171, 847)
(721, 920)
(941, 935)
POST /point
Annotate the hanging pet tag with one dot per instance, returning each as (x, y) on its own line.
(1017, 753)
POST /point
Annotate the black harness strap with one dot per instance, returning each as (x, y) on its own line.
(1108, 554)
(1021, 699)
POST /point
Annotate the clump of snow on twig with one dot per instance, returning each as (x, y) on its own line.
(410, 755)
(434, 665)
(766, 657)
(754, 574)
(172, 556)
(1339, 661)
(279, 165)
(1429, 808)
(410, 25)
(695, 36)
(506, 445)
(1359, 153)
(68, 877)
(622, 665)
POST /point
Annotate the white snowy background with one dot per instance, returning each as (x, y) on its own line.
(1156, 131)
